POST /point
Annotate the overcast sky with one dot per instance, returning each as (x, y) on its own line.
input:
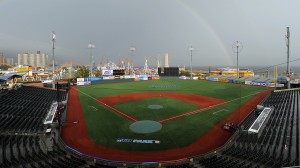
(153, 27)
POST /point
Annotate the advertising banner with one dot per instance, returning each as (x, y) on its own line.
(248, 82)
(127, 77)
(80, 79)
(259, 83)
(83, 81)
(97, 78)
(87, 82)
(143, 77)
(294, 81)
(213, 79)
(182, 77)
(107, 72)
(80, 83)
(155, 77)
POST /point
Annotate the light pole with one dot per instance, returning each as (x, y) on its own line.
(132, 50)
(53, 61)
(238, 45)
(191, 50)
(91, 47)
(287, 36)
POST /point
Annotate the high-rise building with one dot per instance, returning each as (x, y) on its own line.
(10, 61)
(32, 60)
(25, 59)
(44, 60)
(38, 60)
(20, 59)
(35, 60)
(1, 58)
(167, 60)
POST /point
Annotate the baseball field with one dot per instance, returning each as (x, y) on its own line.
(190, 115)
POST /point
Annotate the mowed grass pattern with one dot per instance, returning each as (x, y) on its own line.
(139, 108)
(106, 126)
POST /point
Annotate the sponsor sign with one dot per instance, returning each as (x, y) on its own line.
(87, 82)
(143, 77)
(211, 78)
(258, 83)
(127, 77)
(141, 141)
(107, 72)
(83, 81)
(80, 79)
(295, 81)
(155, 78)
(184, 77)
(80, 83)
(247, 82)
(96, 78)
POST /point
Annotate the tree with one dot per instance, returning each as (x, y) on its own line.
(97, 73)
(83, 72)
(184, 73)
(4, 67)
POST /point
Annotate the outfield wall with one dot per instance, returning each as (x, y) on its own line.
(112, 81)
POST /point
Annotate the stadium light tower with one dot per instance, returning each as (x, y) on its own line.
(238, 45)
(91, 47)
(287, 36)
(132, 50)
(53, 61)
(191, 50)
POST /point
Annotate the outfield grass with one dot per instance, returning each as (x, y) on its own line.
(105, 126)
(139, 108)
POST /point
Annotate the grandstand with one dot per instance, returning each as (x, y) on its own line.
(25, 143)
(276, 146)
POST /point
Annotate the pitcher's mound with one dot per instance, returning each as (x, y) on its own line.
(145, 127)
(155, 107)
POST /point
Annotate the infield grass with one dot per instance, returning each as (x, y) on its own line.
(139, 108)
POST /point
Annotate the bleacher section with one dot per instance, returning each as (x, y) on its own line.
(26, 151)
(24, 110)
(22, 136)
(23, 142)
(276, 146)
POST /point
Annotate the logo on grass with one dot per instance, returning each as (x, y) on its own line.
(164, 86)
(141, 141)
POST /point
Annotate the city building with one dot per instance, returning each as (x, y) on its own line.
(10, 61)
(35, 60)
(1, 58)
(167, 59)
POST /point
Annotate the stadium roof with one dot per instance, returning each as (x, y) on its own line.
(5, 77)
